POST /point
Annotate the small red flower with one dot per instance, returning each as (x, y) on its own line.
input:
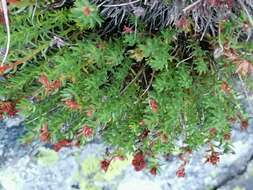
(87, 131)
(87, 11)
(142, 123)
(144, 134)
(213, 132)
(127, 29)
(44, 134)
(43, 79)
(72, 104)
(54, 85)
(225, 87)
(154, 105)
(181, 171)
(214, 158)
(232, 120)
(4, 68)
(49, 85)
(182, 23)
(9, 108)
(153, 171)
(244, 124)
(60, 144)
(89, 113)
(138, 162)
(227, 136)
(104, 165)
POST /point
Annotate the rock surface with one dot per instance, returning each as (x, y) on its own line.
(34, 167)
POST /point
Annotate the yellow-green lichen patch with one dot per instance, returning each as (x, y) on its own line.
(47, 157)
(10, 180)
(90, 166)
(84, 185)
(239, 188)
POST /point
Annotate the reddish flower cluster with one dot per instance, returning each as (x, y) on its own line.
(181, 171)
(72, 104)
(153, 171)
(154, 105)
(127, 29)
(139, 162)
(104, 164)
(61, 144)
(89, 113)
(5, 67)
(87, 131)
(87, 11)
(214, 158)
(227, 136)
(142, 123)
(49, 85)
(8, 108)
(225, 87)
(244, 124)
(44, 134)
(213, 132)
(182, 23)
(144, 134)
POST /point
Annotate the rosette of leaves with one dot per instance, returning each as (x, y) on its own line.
(86, 14)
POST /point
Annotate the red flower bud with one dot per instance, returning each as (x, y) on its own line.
(138, 162)
(153, 171)
(213, 132)
(87, 131)
(180, 172)
(87, 11)
(72, 104)
(227, 136)
(214, 158)
(154, 105)
(44, 134)
(104, 164)
(244, 124)
(225, 87)
(60, 144)
(127, 29)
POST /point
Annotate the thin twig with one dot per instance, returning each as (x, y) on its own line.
(7, 24)
(189, 7)
(122, 4)
(150, 83)
(203, 34)
(43, 114)
(129, 84)
(184, 60)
